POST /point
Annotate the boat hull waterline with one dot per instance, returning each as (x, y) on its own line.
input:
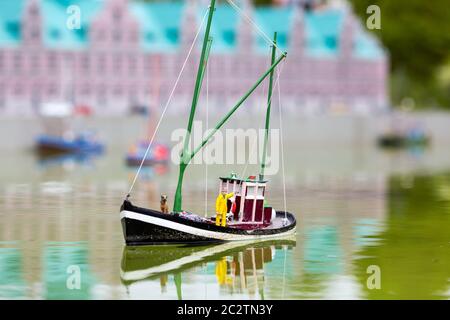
(144, 226)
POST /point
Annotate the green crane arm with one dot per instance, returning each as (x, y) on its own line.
(187, 157)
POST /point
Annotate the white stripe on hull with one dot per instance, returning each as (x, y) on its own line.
(200, 232)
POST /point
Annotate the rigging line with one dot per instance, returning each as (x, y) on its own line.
(207, 127)
(255, 25)
(167, 104)
(282, 151)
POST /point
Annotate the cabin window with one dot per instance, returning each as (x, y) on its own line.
(260, 191)
(251, 191)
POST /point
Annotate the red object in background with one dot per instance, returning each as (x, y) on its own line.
(161, 152)
(82, 110)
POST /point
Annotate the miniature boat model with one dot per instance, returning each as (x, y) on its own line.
(242, 215)
(140, 263)
(145, 226)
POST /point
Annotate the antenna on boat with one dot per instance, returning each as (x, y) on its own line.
(269, 104)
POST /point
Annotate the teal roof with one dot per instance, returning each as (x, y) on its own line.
(223, 28)
(272, 20)
(367, 47)
(10, 16)
(322, 30)
(56, 33)
(160, 24)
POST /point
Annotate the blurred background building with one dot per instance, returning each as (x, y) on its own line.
(128, 53)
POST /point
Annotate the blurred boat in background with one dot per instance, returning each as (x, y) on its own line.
(60, 137)
(404, 135)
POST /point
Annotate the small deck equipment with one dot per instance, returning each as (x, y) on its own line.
(249, 217)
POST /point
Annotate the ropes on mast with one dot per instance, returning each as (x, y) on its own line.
(207, 126)
(282, 149)
(167, 104)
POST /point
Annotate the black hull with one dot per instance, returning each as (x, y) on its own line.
(153, 227)
(142, 233)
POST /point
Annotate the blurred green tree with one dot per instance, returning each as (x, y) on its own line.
(417, 35)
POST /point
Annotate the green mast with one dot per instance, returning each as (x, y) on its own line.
(198, 83)
(269, 104)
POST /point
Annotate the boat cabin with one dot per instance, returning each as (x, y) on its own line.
(247, 205)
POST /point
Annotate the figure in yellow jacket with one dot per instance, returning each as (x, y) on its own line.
(221, 208)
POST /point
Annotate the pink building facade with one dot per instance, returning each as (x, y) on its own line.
(126, 54)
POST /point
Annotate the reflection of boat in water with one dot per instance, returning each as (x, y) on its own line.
(80, 159)
(233, 259)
